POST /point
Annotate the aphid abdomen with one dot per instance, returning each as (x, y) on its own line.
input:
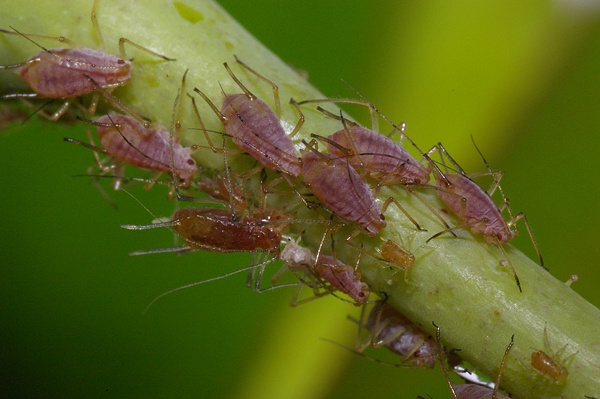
(341, 189)
(61, 73)
(213, 229)
(401, 336)
(255, 128)
(383, 158)
(343, 277)
(146, 147)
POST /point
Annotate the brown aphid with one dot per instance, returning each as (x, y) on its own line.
(67, 73)
(397, 255)
(549, 367)
(255, 128)
(337, 185)
(391, 329)
(215, 229)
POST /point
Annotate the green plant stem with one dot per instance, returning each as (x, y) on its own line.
(458, 283)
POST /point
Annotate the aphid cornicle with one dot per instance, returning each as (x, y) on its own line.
(64, 73)
(255, 128)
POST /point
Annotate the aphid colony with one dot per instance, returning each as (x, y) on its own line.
(328, 185)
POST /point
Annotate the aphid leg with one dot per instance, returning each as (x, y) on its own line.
(512, 223)
(477, 389)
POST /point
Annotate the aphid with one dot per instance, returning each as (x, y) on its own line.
(343, 277)
(472, 391)
(64, 73)
(383, 159)
(391, 329)
(397, 255)
(129, 142)
(255, 128)
(147, 146)
(474, 206)
(214, 229)
(337, 185)
(326, 272)
(546, 365)
(552, 367)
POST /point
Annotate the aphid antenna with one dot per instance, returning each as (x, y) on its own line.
(28, 37)
(375, 110)
(441, 355)
(374, 121)
(194, 284)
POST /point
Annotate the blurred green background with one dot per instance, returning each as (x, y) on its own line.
(523, 79)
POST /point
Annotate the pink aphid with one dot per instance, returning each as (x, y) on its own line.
(61, 73)
(393, 330)
(383, 159)
(255, 128)
(473, 206)
(343, 277)
(327, 269)
(125, 139)
(66, 73)
(337, 185)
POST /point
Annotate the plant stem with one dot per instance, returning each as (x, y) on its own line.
(456, 282)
